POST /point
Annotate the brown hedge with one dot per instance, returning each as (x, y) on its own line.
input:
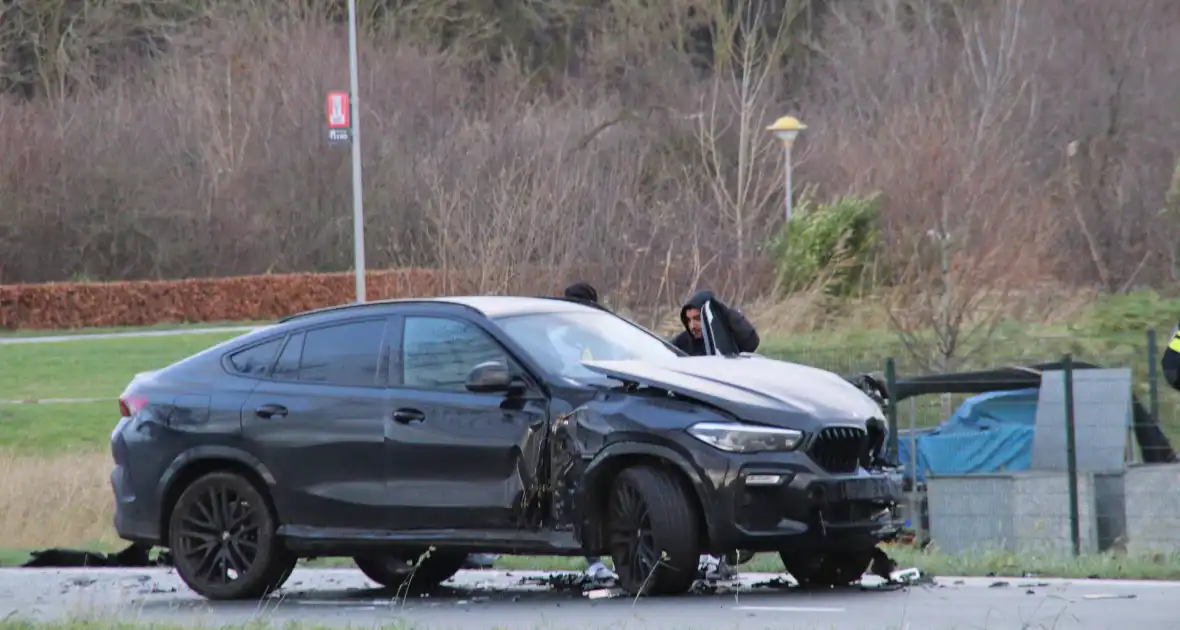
(243, 298)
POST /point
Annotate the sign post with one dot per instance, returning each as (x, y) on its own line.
(344, 128)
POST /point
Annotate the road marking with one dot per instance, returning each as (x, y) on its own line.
(54, 401)
(140, 334)
(788, 609)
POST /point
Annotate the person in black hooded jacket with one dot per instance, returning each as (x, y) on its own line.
(1170, 362)
(738, 331)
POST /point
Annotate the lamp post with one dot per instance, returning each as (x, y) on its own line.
(358, 208)
(787, 129)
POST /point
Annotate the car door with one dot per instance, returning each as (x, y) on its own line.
(318, 425)
(459, 459)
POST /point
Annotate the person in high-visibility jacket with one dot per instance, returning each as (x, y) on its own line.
(1171, 360)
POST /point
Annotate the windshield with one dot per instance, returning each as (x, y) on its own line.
(561, 341)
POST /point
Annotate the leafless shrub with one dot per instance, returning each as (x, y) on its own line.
(626, 163)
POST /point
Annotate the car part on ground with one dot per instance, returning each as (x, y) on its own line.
(134, 555)
(412, 572)
(338, 432)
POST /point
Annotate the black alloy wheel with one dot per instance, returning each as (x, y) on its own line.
(631, 531)
(222, 536)
(652, 532)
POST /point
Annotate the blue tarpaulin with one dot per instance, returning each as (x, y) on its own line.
(988, 433)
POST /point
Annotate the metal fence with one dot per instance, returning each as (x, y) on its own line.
(1034, 445)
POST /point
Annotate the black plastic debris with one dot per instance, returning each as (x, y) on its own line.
(134, 556)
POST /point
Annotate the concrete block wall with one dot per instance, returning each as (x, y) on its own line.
(1153, 508)
(1025, 512)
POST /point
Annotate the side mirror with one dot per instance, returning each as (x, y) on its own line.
(489, 378)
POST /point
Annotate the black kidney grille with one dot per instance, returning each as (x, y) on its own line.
(839, 449)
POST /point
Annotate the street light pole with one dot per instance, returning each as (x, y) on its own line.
(787, 129)
(358, 207)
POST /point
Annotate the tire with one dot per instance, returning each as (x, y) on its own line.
(397, 570)
(652, 532)
(247, 546)
(827, 569)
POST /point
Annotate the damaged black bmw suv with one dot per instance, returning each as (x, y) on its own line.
(408, 434)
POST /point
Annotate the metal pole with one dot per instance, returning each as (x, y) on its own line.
(915, 505)
(358, 207)
(787, 183)
(1071, 455)
(1153, 391)
(891, 410)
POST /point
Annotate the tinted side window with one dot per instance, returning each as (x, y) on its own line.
(255, 361)
(287, 368)
(345, 354)
(439, 353)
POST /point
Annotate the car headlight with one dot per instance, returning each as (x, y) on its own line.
(745, 438)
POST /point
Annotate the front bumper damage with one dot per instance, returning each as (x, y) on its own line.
(774, 510)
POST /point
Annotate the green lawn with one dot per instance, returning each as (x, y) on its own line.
(52, 428)
(101, 368)
(91, 368)
(57, 332)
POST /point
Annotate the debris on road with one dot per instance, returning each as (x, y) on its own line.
(561, 582)
(134, 556)
(603, 593)
(1000, 584)
(910, 575)
(1111, 596)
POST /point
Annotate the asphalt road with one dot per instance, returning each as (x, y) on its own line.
(487, 599)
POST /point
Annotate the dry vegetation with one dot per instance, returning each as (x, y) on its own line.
(184, 138)
(55, 500)
(1015, 144)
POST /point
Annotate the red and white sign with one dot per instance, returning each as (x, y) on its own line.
(337, 110)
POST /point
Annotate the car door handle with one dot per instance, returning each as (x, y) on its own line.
(408, 416)
(271, 411)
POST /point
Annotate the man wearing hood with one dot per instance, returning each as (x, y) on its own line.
(731, 332)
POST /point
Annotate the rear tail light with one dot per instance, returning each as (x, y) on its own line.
(130, 404)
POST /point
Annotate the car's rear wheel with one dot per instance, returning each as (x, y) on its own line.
(414, 572)
(829, 568)
(653, 533)
(222, 536)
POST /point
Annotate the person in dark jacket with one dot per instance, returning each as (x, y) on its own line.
(582, 291)
(585, 292)
(597, 569)
(733, 333)
(1170, 362)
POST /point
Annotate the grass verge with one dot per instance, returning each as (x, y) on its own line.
(59, 332)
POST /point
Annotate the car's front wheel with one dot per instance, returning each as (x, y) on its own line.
(222, 536)
(829, 568)
(653, 533)
(409, 571)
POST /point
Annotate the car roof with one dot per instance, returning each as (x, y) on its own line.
(491, 306)
(501, 306)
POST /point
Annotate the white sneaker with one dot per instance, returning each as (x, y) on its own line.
(600, 573)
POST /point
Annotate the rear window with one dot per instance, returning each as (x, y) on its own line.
(256, 360)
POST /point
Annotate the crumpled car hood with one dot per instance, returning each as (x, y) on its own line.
(753, 388)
